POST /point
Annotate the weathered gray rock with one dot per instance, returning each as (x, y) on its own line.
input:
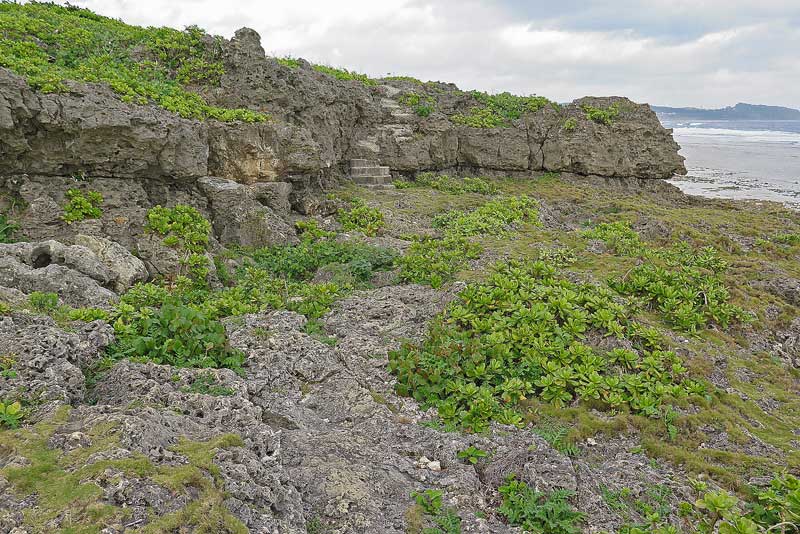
(633, 145)
(46, 360)
(127, 268)
(783, 286)
(494, 148)
(269, 151)
(90, 130)
(73, 272)
(239, 218)
(275, 195)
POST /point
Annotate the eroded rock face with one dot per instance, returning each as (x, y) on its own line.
(46, 360)
(90, 130)
(240, 217)
(318, 124)
(75, 273)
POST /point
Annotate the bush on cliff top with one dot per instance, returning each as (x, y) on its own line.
(498, 111)
(49, 44)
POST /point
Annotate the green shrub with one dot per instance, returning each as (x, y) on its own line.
(779, 504)
(10, 414)
(344, 74)
(605, 116)
(316, 329)
(445, 520)
(472, 454)
(88, 315)
(434, 261)
(776, 509)
(292, 63)
(570, 124)
(183, 228)
(7, 363)
(43, 302)
(259, 289)
(453, 185)
(7, 229)
(557, 436)
(361, 218)
(49, 44)
(518, 335)
(684, 284)
(422, 105)
(496, 217)
(557, 257)
(500, 110)
(300, 262)
(82, 205)
(175, 335)
(5, 308)
(784, 239)
(404, 79)
(619, 237)
(145, 294)
(688, 296)
(538, 512)
(310, 231)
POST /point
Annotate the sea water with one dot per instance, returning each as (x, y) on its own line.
(740, 159)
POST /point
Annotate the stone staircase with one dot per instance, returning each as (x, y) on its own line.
(367, 172)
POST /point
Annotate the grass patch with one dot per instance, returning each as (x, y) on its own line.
(450, 184)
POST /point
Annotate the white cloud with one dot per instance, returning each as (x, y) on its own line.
(675, 52)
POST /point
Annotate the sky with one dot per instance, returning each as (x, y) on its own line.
(704, 53)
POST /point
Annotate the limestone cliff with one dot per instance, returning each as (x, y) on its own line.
(319, 123)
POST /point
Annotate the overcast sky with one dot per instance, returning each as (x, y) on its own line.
(707, 53)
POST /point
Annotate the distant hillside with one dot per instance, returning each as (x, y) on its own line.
(738, 112)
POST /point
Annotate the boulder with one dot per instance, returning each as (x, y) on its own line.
(240, 219)
(127, 268)
(75, 273)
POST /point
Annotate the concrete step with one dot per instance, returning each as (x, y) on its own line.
(372, 180)
(379, 171)
(362, 163)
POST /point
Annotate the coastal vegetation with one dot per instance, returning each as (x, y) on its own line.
(51, 45)
(499, 110)
(637, 341)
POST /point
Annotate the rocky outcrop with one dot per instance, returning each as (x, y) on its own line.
(46, 359)
(250, 215)
(319, 123)
(349, 120)
(90, 131)
(241, 217)
(75, 273)
(126, 268)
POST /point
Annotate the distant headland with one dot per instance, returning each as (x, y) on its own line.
(740, 111)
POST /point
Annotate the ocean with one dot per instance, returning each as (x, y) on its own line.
(740, 159)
